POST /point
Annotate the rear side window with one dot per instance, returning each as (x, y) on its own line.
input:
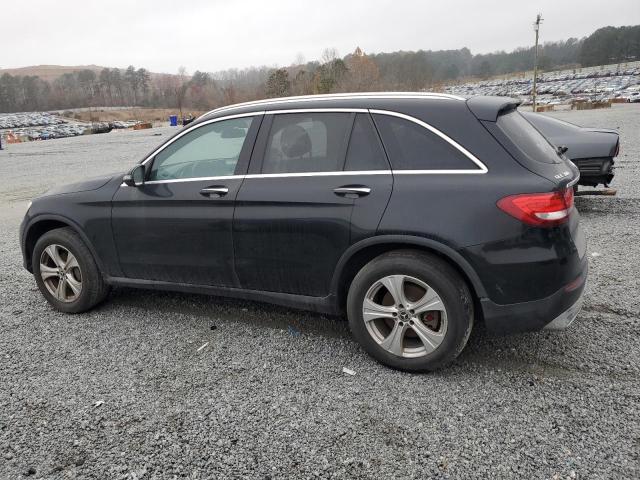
(526, 138)
(412, 147)
(307, 142)
(365, 151)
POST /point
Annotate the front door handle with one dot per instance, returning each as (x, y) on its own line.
(214, 191)
(352, 191)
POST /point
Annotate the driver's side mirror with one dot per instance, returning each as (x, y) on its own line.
(135, 177)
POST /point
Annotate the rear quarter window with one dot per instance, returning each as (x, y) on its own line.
(526, 138)
(365, 151)
(411, 146)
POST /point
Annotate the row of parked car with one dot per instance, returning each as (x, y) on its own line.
(45, 126)
(601, 83)
(39, 126)
(28, 119)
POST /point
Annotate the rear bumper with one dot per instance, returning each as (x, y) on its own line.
(555, 312)
(594, 171)
(566, 318)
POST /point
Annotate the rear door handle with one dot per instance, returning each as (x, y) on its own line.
(352, 191)
(214, 191)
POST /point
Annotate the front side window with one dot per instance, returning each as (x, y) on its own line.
(307, 142)
(411, 146)
(208, 151)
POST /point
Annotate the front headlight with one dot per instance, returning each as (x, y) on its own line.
(29, 205)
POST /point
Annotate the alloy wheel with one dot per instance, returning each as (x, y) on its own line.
(405, 316)
(61, 273)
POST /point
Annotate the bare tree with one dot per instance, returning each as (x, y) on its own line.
(118, 83)
(329, 55)
(299, 60)
(302, 83)
(106, 83)
(181, 87)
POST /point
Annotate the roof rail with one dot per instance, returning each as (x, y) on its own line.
(332, 96)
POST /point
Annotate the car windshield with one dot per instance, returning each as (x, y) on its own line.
(526, 138)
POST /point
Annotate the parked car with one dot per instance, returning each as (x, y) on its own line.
(593, 150)
(633, 97)
(416, 214)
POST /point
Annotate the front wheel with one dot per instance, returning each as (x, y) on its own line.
(410, 310)
(66, 272)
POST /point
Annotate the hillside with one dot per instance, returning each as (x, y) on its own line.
(48, 72)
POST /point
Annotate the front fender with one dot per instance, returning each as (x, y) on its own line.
(32, 222)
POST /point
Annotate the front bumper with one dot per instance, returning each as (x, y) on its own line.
(555, 312)
(22, 240)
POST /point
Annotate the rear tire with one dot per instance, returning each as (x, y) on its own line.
(418, 309)
(66, 272)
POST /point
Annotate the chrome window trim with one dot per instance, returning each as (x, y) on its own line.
(308, 174)
(481, 170)
(482, 167)
(317, 110)
(193, 179)
(273, 175)
(339, 173)
(333, 96)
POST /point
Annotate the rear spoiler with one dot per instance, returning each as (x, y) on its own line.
(490, 108)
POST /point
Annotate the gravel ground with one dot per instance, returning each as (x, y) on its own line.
(125, 391)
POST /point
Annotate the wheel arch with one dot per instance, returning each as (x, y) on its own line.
(366, 250)
(42, 224)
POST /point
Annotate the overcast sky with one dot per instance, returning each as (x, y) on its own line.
(211, 35)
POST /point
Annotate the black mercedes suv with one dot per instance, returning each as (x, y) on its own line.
(414, 214)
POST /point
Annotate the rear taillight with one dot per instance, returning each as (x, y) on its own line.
(539, 209)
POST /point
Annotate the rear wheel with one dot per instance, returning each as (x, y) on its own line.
(410, 310)
(66, 272)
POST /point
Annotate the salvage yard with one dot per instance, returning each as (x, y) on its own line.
(164, 385)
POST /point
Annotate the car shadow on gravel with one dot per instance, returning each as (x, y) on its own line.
(484, 349)
(222, 309)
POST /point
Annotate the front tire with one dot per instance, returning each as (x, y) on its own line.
(410, 310)
(66, 272)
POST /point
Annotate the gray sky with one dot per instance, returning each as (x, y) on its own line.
(162, 35)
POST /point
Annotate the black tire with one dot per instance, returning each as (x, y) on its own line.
(94, 290)
(437, 274)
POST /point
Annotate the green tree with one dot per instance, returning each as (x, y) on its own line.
(329, 75)
(8, 93)
(278, 84)
(610, 45)
(106, 84)
(143, 76)
(131, 77)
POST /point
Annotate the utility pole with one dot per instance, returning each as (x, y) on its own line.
(536, 28)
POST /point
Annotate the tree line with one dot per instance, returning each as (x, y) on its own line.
(357, 71)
